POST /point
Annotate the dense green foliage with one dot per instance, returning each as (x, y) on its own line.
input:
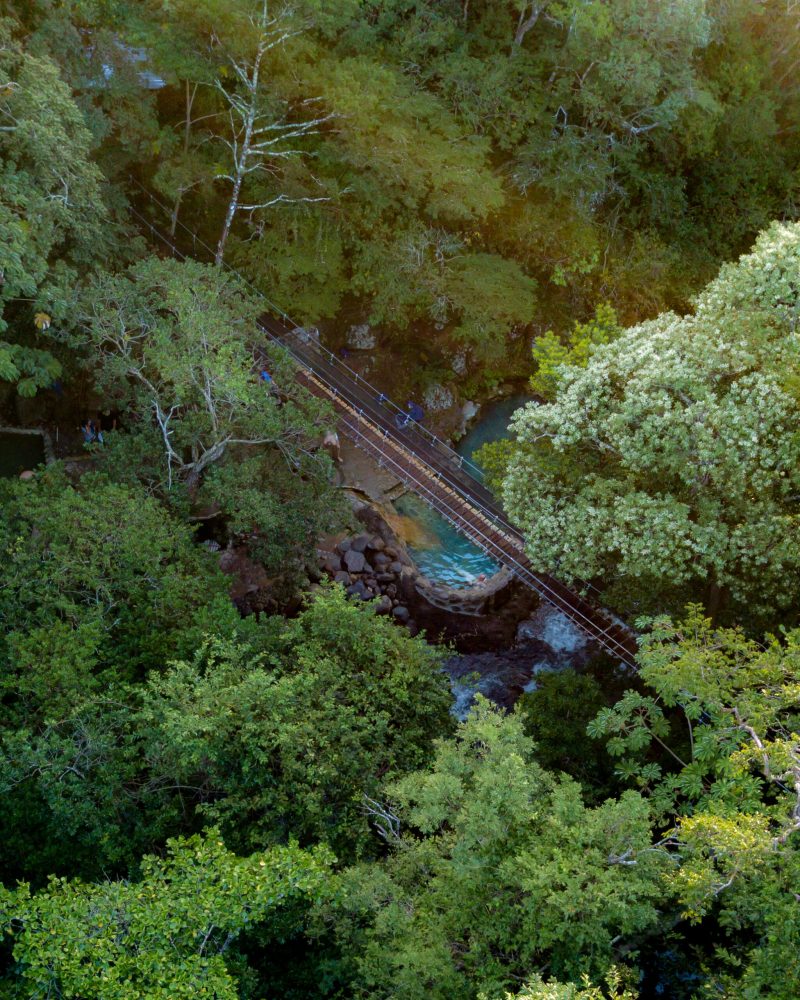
(198, 800)
(164, 935)
(670, 456)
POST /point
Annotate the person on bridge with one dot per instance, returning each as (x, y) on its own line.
(415, 411)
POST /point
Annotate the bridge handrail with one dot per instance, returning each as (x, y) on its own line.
(491, 547)
(472, 470)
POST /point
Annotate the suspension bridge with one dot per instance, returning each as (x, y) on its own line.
(445, 480)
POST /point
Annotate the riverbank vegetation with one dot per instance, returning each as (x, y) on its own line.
(203, 801)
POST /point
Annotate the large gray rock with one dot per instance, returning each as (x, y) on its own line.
(395, 567)
(343, 546)
(383, 605)
(332, 563)
(354, 561)
(343, 578)
(459, 361)
(401, 614)
(469, 410)
(376, 544)
(380, 559)
(438, 397)
(406, 582)
(359, 590)
(361, 337)
(360, 543)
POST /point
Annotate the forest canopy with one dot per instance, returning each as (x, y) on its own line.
(227, 771)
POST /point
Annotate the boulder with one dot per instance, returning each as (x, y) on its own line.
(386, 577)
(343, 578)
(343, 546)
(376, 544)
(358, 590)
(459, 361)
(469, 410)
(332, 563)
(380, 559)
(354, 561)
(438, 397)
(395, 567)
(361, 337)
(383, 605)
(401, 614)
(406, 583)
(360, 543)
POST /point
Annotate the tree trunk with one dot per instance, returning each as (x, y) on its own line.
(716, 601)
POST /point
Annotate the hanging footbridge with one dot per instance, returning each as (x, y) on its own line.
(446, 481)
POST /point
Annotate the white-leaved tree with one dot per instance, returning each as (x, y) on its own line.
(175, 344)
(261, 128)
(672, 459)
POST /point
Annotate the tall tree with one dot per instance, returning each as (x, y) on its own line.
(288, 741)
(497, 868)
(259, 136)
(167, 935)
(53, 222)
(670, 458)
(179, 344)
(713, 741)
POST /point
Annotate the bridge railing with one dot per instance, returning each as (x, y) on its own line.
(398, 413)
(599, 631)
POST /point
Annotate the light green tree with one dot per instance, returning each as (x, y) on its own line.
(99, 582)
(715, 743)
(291, 739)
(498, 868)
(166, 935)
(539, 989)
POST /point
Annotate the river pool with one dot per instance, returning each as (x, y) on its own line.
(449, 557)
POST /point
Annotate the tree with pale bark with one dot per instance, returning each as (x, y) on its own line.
(262, 130)
(178, 343)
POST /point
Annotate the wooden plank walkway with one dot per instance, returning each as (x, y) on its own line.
(432, 472)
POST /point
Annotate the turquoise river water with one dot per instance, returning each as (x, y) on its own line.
(451, 558)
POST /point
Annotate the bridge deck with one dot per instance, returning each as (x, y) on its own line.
(434, 473)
